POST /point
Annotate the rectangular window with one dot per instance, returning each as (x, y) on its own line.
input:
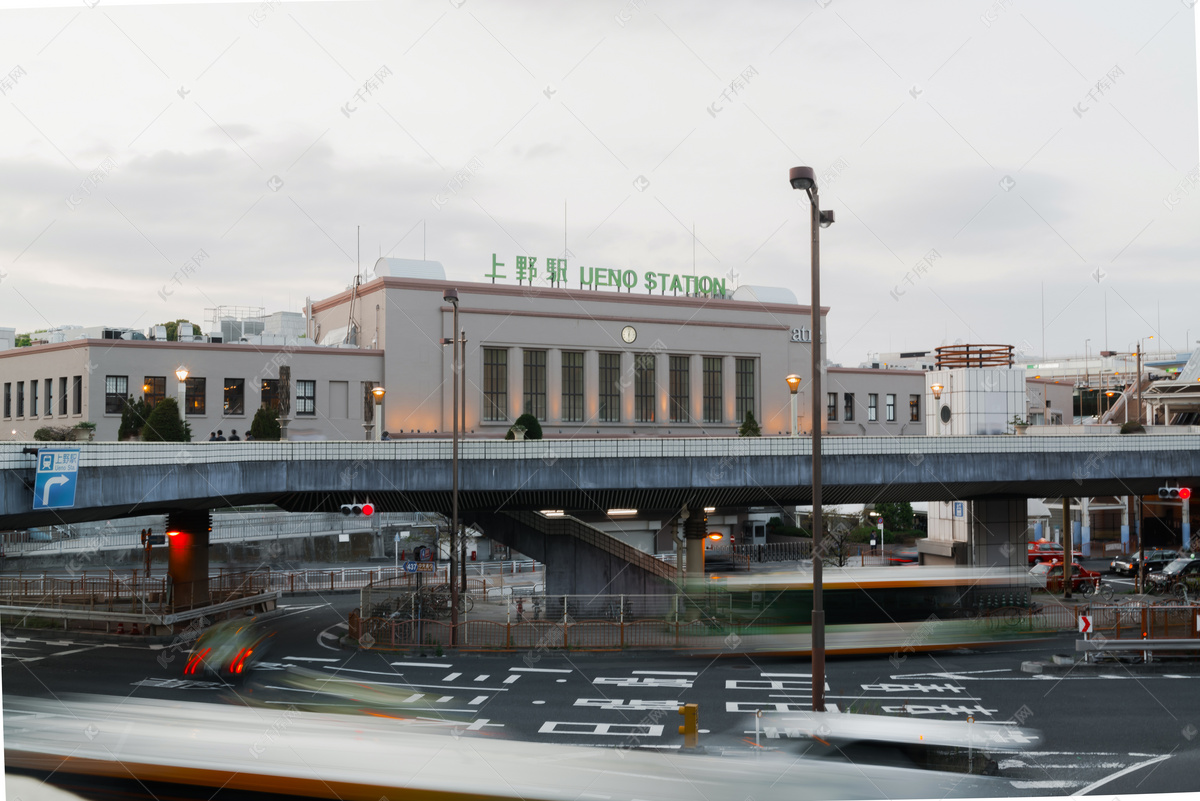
(306, 397)
(194, 394)
(610, 387)
(33, 398)
(8, 399)
(572, 386)
(680, 386)
(713, 386)
(20, 399)
(831, 407)
(848, 410)
(48, 409)
(914, 408)
(744, 369)
(891, 408)
(77, 395)
(62, 396)
(235, 396)
(116, 389)
(872, 408)
(495, 384)
(270, 394)
(535, 383)
(154, 389)
(643, 388)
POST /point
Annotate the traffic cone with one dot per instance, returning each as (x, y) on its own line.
(135, 631)
(121, 627)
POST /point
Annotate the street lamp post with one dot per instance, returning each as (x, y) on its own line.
(378, 392)
(804, 178)
(793, 382)
(462, 416)
(451, 296)
(182, 374)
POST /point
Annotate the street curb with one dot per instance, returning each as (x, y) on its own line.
(101, 637)
(1106, 668)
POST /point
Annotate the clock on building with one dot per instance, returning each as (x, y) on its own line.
(629, 333)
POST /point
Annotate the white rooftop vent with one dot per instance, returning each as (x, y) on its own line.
(410, 268)
(765, 294)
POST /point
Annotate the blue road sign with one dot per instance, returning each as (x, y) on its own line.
(960, 509)
(54, 486)
(410, 567)
(418, 567)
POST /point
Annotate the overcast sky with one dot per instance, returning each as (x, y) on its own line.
(972, 151)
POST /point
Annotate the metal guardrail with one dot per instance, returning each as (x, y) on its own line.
(182, 455)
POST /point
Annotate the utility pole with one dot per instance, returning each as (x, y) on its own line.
(1069, 547)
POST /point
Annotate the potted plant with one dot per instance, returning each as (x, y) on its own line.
(1018, 424)
(518, 432)
(84, 432)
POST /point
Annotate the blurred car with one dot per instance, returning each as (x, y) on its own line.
(1156, 560)
(1182, 571)
(1044, 550)
(228, 650)
(1049, 575)
(903, 556)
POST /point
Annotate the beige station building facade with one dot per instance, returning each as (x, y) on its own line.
(585, 362)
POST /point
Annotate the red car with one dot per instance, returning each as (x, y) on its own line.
(1046, 551)
(1049, 575)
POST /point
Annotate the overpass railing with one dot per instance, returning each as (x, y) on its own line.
(128, 454)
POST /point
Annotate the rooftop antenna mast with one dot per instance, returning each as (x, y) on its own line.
(357, 281)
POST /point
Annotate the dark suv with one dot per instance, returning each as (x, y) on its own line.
(1155, 560)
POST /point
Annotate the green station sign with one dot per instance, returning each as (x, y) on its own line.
(554, 272)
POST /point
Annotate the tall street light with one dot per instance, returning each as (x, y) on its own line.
(793, 382)
(182, 374)
(378, 392)
(451, 296)
(803, 178)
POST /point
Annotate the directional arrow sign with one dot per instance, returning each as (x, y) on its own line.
(54, 484)
(1085, 624)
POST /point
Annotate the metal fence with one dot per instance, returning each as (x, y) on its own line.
(1167, 621)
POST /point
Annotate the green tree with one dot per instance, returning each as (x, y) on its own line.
(54, 434)
(265, 425)
(750, 426)
(173, 328)
(896, 516)
(533, 429)
(163, 424)
(133, 418)
(23, 341)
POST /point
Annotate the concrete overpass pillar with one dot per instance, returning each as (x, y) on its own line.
(996, 532)
(695, 529)
(1085, 532)
(187, 558)
(1187, 524)
(1125, 524)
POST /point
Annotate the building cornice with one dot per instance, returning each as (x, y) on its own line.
(182, 347)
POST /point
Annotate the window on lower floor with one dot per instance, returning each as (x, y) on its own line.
(20, 399)
(8, 399)
(48, 401)
(872, 408)
(62, 396)
(194, 394)
(848, 407)
(154, 389)
(680, 386)
(535, 383)
(270, 394)
(643, 388)
(572, 386)
(235, 396)
(714, 396)
(891, 408)
(116, 389)
(306, 397)
(495, 384)
(831, 407)
(914, 408)
(77, 395)
(33, 398)
(744, 368)
(610, 387)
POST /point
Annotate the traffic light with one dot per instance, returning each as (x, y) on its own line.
(691, 725)
(1174, 493)
(356, 509)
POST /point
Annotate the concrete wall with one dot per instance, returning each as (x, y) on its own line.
(862, 384)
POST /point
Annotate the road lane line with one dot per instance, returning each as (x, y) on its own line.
(479, 699)
(310, 659)
(511, 679)
(664, 673)
(538, 670)
(481, 677)
(423, 664)
(451, 676)
(1120, 773)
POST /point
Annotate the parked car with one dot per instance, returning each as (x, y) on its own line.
(1155, 560)
(1181, 572)
(1049, 575)
(228, 650)
(903, 556)
(1045, 551)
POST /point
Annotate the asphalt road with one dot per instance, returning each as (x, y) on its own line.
(1133, 733)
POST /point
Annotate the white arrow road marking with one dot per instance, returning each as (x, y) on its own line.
(1120, 773)
(53, 481)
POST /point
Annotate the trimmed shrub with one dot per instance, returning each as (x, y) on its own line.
(164, 425)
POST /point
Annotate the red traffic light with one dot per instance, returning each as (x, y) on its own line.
(1184, 493)
(368, 509)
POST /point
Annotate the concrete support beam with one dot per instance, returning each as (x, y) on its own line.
(695, 529)
(187, 558)
(996, 534)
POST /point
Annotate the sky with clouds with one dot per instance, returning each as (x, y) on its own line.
(158, 160)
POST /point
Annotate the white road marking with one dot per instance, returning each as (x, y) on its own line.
(482, 677)
(1045, 784)
(444, 699)
(321, 637)
(610, 729)
(1121, 773)
(939, 709)
(479, 699)
(637, 704)
(920, 688)
(179, 684)
(646, 681)
(765, 706)
(538, 670)
(341, 670)
(451, 676)
(328, 634)
(788, 676)
(423, 664)
(664, 673)
(411, 698)
(888, 697)
(511, 679)
(310, 659)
